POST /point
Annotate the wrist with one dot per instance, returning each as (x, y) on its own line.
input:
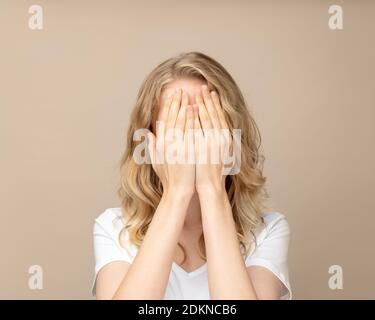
(215, 205)
(212, 190)
(177, 194)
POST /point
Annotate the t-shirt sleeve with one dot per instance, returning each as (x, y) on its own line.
(107, 248)
(272, 252)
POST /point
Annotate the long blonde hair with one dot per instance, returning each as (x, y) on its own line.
(141, 190)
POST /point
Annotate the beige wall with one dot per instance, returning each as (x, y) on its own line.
(66, 95)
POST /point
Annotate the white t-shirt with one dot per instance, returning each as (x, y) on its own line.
(271, 252)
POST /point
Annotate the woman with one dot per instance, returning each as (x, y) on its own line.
(187, 229)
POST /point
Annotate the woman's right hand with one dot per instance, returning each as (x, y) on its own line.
(175, 118)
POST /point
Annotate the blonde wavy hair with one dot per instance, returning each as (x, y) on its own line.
(141, 190)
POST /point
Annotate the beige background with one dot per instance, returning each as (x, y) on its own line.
(66, 95)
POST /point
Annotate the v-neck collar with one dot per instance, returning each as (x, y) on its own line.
(193, 273)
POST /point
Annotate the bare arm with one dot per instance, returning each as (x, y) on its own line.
(228, 276)
(227, 273)
(147, 277)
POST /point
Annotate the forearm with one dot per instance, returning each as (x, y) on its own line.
(227, 274)
(148, 275)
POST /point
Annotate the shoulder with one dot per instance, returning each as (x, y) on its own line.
(110, 221)
(270, 249)
(275, 221)
(109, 215)
(106, 240)
(275, 224)
(108, 229)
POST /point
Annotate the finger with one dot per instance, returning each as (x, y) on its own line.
(189, 118)
(225, 134)
(189, 135)
(219, 110)
(211, 110)
(202, 112)
(174, 109)
(197, 125)
(184, 98)
(181, 117)
(163, 114)
(198, 136)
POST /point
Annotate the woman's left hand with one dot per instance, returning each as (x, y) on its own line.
(212, 141)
